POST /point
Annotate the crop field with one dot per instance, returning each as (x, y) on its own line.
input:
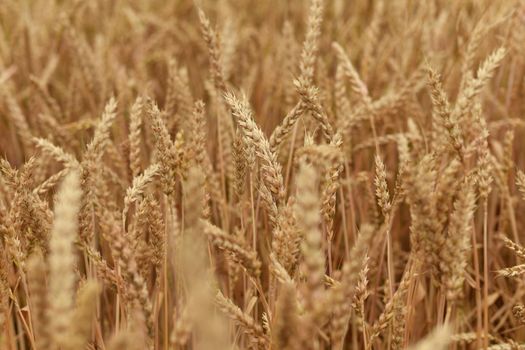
(262, 174)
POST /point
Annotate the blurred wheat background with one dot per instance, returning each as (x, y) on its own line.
(241, 174)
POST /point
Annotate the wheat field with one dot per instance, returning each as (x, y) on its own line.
(242, 174)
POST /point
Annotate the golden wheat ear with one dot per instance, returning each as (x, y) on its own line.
(62, 259)
(438, 339)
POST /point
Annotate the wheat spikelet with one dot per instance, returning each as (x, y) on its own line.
(514, 271)
(18, 119)
(311, 102)
(279, 271)
(383, 197)
(178, 95)
(342, 295)
(520, 181)
(311, 45)
(443, 110)
(271, 169)
(240, 254)
(467, 338)
(308, 217)
(420, 196)
(342, 103)
(51, 182)
(83, 54)
(475, 84)
(249, 325)
(29, 216)
(62, 259)
(484, 175)
(138, 187)
(518, 311)
(437, 340)
(168, 152)
(286, 323)
(457, 244)
(516, 248)
(80, 328)
(506, 346)
(214, 51)
(361, 293)
(181, 331)
(279, 134)
(135, 118)
(149, 236)
(287, 238)
(209, 329)
(372, 35)
(197, 142)
(36, 269)
(56, 152)
(13, 244)
(239, 155)
(121, 248)
(5, 290)
(357, 85)
(473, 45)
(331, 186)
(95, 148)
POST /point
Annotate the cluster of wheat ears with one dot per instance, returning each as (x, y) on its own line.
(242, 174)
